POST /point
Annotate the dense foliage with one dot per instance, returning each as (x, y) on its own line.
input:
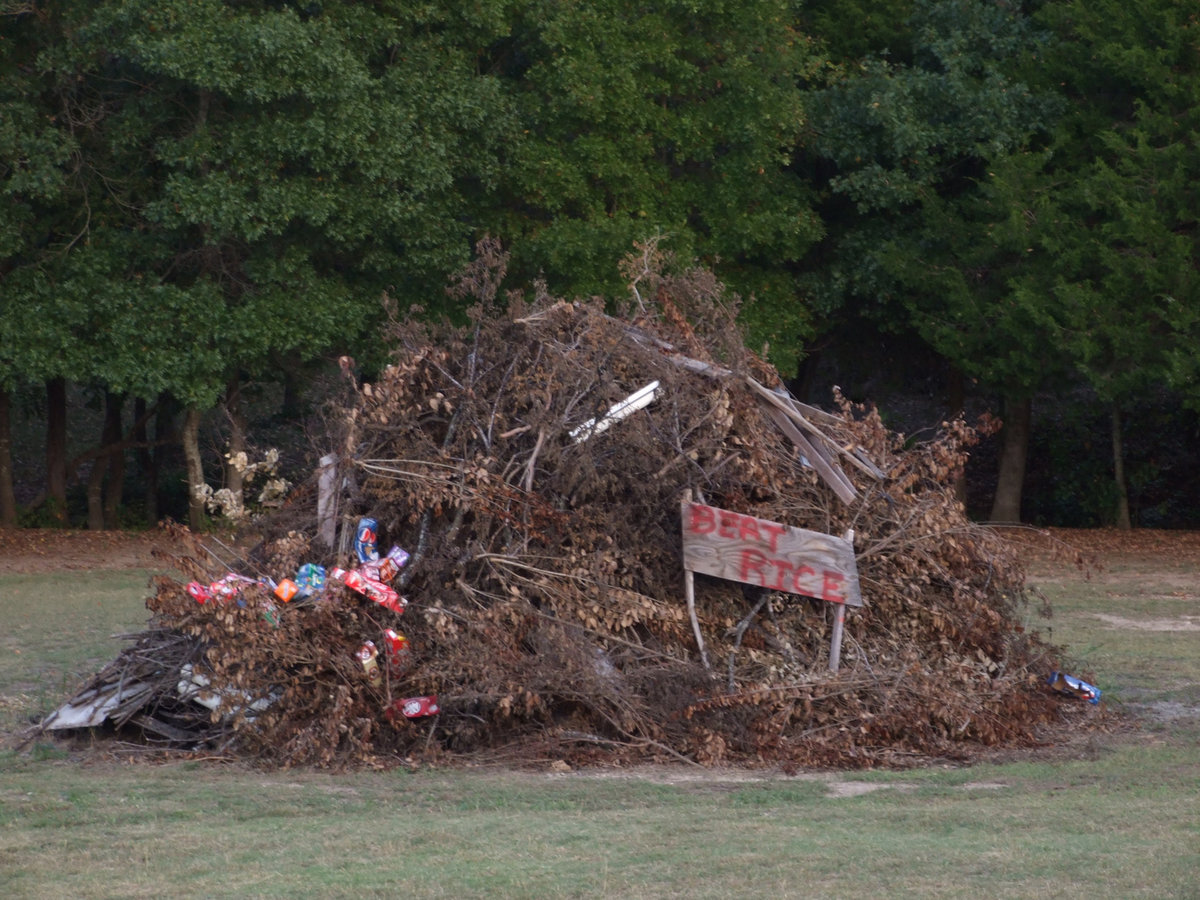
(205, 192)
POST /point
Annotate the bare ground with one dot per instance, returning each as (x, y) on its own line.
(26, 551)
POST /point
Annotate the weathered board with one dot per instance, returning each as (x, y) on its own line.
(766, 554)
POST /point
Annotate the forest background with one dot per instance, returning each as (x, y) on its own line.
(941, 206)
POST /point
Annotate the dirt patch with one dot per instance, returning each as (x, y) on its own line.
(858, 788)
(723, 779)
(27, 551)
(1179, 623)
(31, 550)
(1104, 550)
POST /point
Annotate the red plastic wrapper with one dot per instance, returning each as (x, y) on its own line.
(396, 647)
(370, 588)
(199, 592)
(227, 588)
(220, 591)
(414, 707)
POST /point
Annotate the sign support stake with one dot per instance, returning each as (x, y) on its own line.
(689, 589)
(839, 624)
(835, 643)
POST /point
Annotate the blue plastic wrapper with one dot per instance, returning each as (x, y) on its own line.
(310, 579)
(1069, 684)
(366, 540)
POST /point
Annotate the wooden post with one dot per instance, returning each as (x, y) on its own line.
(689, 588)
(326, 501)
(835, 643)
(839, 624)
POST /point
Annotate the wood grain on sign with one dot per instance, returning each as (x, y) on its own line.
(766, 554)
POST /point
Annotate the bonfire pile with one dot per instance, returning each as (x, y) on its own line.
(545, 586)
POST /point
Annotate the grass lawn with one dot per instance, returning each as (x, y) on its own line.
(1119, 818)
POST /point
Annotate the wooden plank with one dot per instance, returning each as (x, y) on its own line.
(777, 557)
(839, 623)
(689, 589)
(149, 723)
(803, 414)
(788, 407)
(832, 476)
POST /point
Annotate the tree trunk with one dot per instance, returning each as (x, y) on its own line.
(234, 479)
(956, 401)
(147, 459)
(195, 468)
(1011, 480)
(1123, 520)
(56, 448)
(8, 497)
(293, 387)
(110, 436)
(806, 377)
(95, 493)
(114, 491)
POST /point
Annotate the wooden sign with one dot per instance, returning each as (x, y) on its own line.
(769, 555)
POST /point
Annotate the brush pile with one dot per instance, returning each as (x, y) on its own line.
(545, 600)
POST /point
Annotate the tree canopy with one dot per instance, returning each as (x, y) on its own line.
(196, 190)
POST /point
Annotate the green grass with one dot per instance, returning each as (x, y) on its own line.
(1142, 666)
(1122, 822)
(1124, 825)
(57, 629)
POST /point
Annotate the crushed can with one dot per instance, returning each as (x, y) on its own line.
(286, 590)
(368, 656)
(416, 707)
(397, 650)
(1073, 687)
(385, 568)
(366, 540)
(310, 579)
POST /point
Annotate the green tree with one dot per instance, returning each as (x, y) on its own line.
(974, 291)
(246, 180)
(674, 119)
(921, 237)
(39, 159)
(1124, 239)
